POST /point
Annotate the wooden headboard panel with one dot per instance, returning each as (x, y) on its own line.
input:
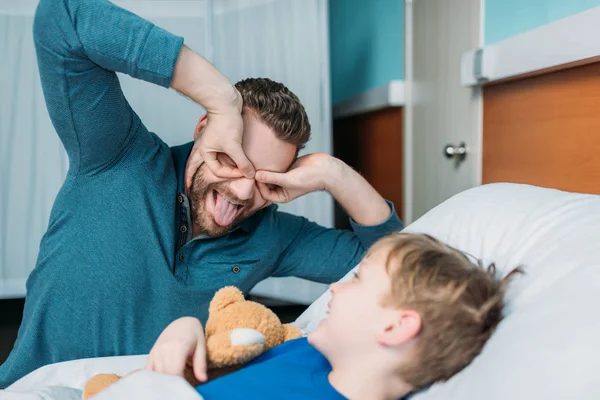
(544, 130)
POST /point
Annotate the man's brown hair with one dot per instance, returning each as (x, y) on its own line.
(460, 303)
(277, 107)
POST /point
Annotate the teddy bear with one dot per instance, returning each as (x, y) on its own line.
(237, 331)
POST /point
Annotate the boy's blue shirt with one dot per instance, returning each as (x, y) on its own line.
(116, 264)
(294, 370)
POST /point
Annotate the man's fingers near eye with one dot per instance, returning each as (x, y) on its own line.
(189, 174)
(247, 170)
(221, 170)
(272, 179)
(242, 162)
(194, 162)
(209, 156)
(266, 192)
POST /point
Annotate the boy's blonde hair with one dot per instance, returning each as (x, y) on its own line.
(460, 303)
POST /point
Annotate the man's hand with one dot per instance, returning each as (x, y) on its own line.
(308, 174)
(222, 134)
(197, 79)
(181, 341)
(323, 172)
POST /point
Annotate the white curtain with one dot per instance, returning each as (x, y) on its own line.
(33, 163)
(285, 40)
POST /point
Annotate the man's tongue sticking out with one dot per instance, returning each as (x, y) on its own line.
(225, 211)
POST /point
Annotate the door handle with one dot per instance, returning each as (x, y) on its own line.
(457, 152)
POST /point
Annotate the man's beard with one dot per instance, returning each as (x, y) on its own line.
(203, 221)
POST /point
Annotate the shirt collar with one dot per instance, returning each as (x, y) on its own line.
(180, 155)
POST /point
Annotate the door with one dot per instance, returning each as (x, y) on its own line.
(441, 115)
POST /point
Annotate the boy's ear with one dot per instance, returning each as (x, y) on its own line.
(201, 124)
(403, 326)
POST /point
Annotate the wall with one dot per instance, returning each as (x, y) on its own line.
(372, 143)
(366, 45)
(506, 18)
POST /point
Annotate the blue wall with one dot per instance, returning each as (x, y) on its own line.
(366, 45)
(506, 18)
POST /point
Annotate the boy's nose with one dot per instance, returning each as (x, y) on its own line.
(243, 188)
(334, 287)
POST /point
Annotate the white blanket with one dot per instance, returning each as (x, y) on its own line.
(43, 393)
(76, 373)
(145, 385)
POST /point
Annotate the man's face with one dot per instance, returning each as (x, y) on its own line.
(218, 204)
(356, 314)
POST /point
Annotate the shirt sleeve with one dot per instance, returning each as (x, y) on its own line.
(325, 255)
(80, 44)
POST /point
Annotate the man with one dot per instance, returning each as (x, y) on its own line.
(141, 234)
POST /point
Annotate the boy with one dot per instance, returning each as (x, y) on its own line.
(417, 312)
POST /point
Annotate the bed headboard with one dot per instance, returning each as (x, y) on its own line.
(544, 130)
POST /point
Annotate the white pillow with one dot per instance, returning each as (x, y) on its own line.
(547, 346)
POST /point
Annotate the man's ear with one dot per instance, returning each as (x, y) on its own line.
(402, 327)
(201, 124)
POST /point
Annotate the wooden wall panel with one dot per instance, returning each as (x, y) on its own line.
(371, 143)
(544, 130)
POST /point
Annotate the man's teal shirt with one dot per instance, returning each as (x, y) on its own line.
(115, 266)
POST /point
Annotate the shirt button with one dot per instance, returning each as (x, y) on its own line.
(180, 198)
(181, 257)
(236, 269)
(183, 228)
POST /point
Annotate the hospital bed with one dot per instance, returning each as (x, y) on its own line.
(545, 348)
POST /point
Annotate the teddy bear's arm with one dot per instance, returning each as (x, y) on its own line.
(225, 349)
(291, 332)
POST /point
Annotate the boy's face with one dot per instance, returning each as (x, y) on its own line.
(357, 319)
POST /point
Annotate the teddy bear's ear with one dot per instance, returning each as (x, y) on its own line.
(224, 297)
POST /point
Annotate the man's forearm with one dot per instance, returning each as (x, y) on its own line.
(360, 200)
(79, 45)
(120, 41)
(199, 80)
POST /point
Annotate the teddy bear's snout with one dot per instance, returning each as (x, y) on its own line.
(246, 336)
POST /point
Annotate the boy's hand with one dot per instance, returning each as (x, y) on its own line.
(308, 174)
(181, 341)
